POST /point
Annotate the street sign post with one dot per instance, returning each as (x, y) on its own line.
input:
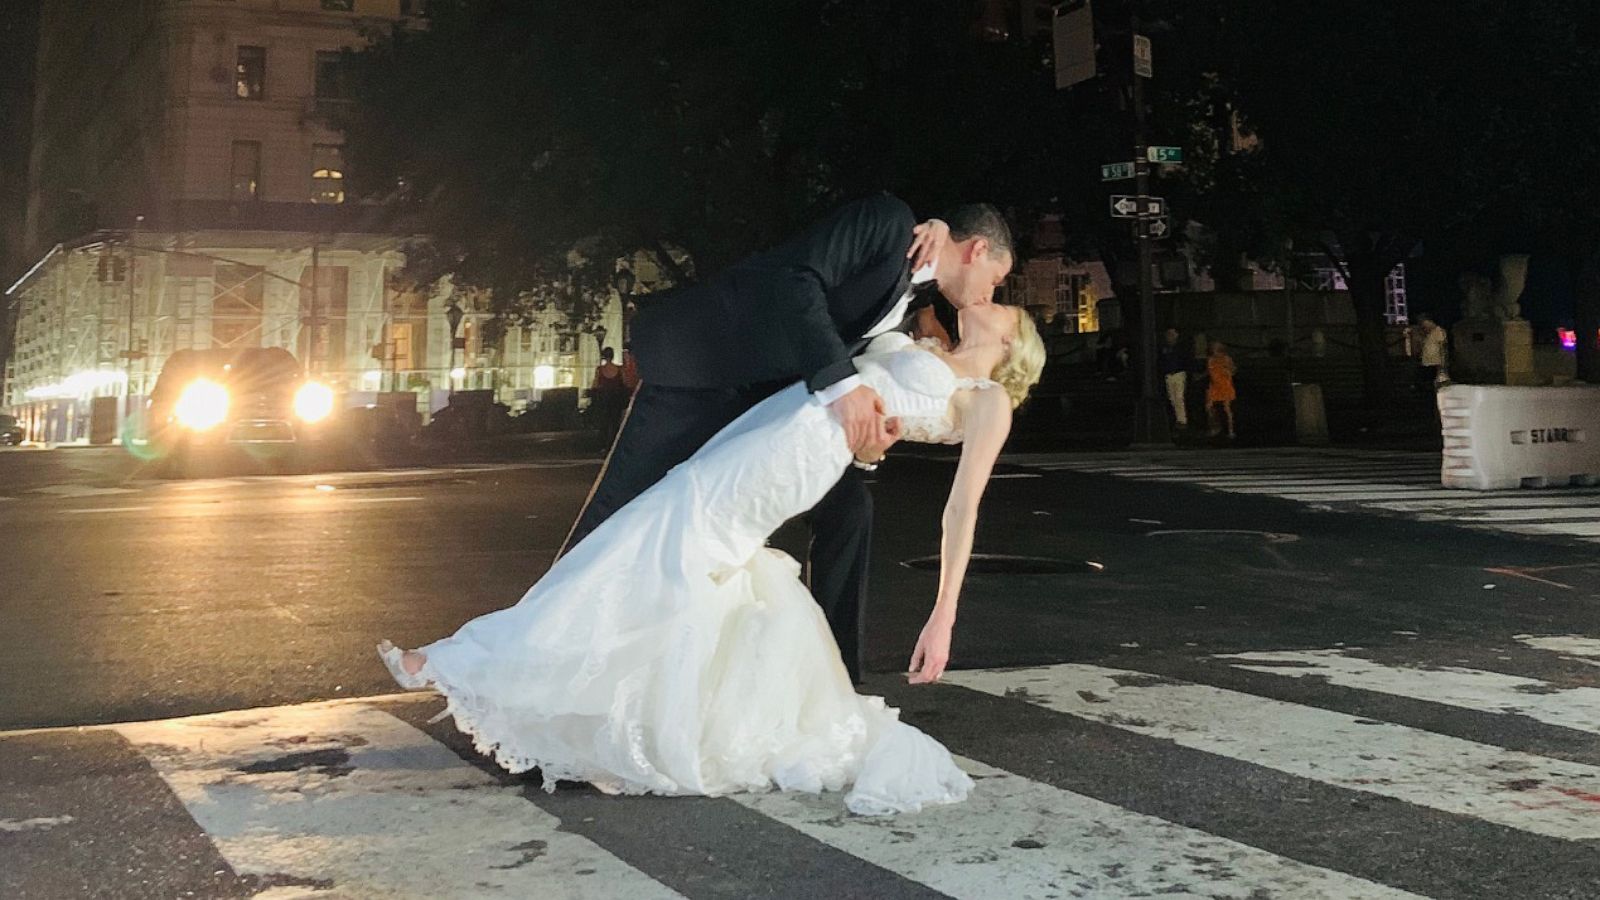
(1126, 206)
(1116, 171)
(1141, 56)
(1164, 154)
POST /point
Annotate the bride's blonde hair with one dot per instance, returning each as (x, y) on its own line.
(1024, 361)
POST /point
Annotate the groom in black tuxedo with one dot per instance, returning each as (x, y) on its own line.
(800, 311)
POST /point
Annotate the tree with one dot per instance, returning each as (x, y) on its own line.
(697, 130)
(1385, 128)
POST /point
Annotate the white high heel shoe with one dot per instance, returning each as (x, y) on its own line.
(392, 656)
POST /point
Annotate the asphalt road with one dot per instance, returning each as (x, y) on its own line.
(125, 599)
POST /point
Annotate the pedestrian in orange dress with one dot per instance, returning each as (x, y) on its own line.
(1220, 393)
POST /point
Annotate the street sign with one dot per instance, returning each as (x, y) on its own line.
(1126, 206)
(1164, 154)
(1141, 56)
(1116, 171)
(1159, 228)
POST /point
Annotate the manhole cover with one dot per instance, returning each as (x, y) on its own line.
(1000, 564)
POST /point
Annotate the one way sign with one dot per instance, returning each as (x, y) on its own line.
(1126, 206)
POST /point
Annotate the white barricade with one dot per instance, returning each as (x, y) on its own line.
(1498, 437)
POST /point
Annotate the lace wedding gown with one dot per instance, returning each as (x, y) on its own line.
(670, 652)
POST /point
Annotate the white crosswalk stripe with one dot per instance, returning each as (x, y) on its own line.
(348, 799)
(1015, 838)
(1400, 482)
(347, 796)
(1419, 767)
(1577, 708)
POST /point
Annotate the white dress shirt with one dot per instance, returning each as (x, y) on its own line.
(893, 317)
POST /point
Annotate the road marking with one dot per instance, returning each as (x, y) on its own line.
(106, 509)
(1271, 537)
(38, 823)
(1577, 708)
(1519, 790)
(1571, 646)
(1015, 475)
(1533, 501)
(1513, 515)
(1356, 496)
(1014, 837)
(1519, 573)
(1571, 529)
(350, 797)
(79, 490)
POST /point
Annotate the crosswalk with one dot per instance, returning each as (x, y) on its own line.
(1391, 482)
(1296, 773)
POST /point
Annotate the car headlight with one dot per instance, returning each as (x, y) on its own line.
(203, 405)
(313, 402)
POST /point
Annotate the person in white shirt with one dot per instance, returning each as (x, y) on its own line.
(1433, 357)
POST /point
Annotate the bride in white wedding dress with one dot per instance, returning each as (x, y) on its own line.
(670, 652)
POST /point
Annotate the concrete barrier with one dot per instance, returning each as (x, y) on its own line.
(1498, 437)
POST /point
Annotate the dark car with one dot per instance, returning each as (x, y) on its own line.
(256, 399)
(11, 432)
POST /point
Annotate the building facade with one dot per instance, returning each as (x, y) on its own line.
(186, 191)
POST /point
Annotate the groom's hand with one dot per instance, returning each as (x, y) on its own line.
(927, 242)
(875, 450)
(861, 414)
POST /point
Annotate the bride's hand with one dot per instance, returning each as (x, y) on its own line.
(933, 649)
(927, 240)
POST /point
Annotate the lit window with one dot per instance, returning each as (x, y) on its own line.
(246, 171)
(327, 173)
(250, 73)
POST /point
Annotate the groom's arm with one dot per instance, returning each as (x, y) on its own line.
(853, 238)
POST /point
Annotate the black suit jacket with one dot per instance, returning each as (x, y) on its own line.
(790, 312)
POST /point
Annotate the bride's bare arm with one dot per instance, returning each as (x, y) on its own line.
(986, 421)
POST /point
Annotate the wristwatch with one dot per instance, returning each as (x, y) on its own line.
(866, 466)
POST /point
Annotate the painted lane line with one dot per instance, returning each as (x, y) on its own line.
(1576, 708)
(80, 490)
(1324, 487)
(1359, 496)
(1519, 790)
(1014, 837)
(1573, 647)
(1570, 529)
(1513, 515)
(1526, 576)
(38, 823)
(1535, 501)
(349, 796)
